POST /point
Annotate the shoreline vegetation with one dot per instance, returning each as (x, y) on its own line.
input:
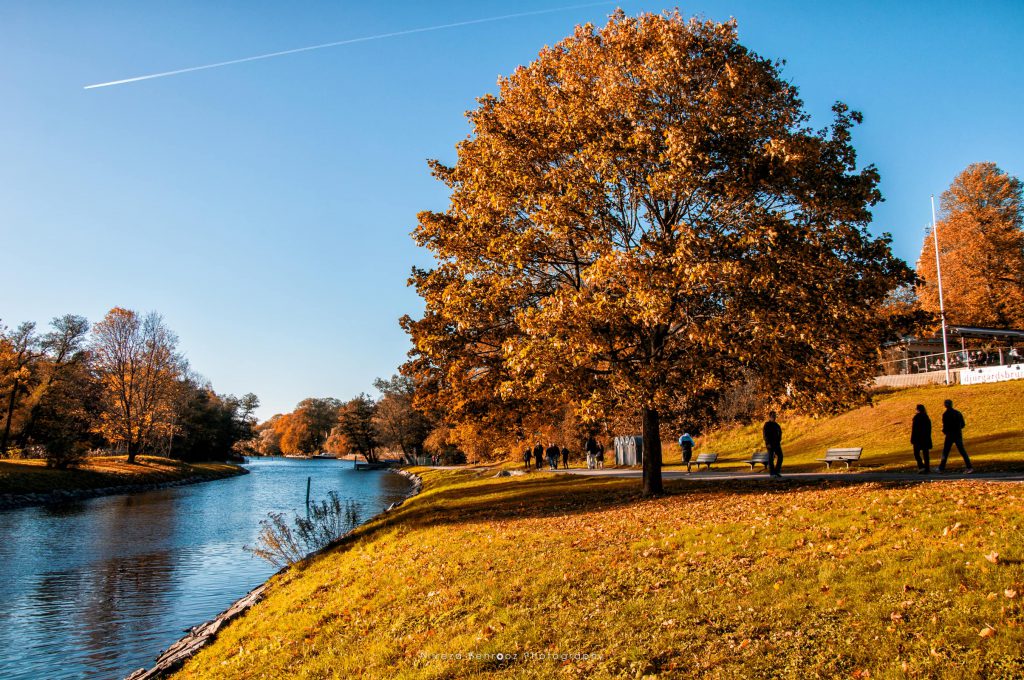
(542, 574)
(29, 482)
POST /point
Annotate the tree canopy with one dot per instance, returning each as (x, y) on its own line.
(981, 246)
(639, 214)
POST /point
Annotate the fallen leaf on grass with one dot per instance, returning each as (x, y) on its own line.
(987, 632)
(1010, 594)
(993, 557)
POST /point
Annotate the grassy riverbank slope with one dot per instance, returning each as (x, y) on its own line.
(32, 476)
(582, 577)
(994, 436)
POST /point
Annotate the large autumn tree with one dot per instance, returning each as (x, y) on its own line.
(981, 246)
(136, 359)
(642, 213)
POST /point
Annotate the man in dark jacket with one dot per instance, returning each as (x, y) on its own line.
(538, 455)
(921, 440)
(953, 425)
(772, 434)
(553, 453)
(527, 457)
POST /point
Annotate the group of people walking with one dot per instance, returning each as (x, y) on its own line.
(552, 453)
(953, 425)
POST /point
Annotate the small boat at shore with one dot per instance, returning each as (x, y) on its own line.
(377, 465)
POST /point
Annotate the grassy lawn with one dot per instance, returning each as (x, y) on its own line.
(581, 577)
(994, 437)
(32, 476)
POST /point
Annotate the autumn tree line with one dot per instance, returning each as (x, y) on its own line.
(645, 230)
(363, 426)
(119, 386)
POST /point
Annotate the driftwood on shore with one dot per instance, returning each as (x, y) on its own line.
(182, 650)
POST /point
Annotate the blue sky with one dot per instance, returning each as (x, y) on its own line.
(264, 208)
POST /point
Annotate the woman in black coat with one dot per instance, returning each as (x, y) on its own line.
(921, 440)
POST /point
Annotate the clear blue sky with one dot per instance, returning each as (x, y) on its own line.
(264, 208)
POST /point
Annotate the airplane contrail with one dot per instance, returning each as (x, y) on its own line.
(337, 43)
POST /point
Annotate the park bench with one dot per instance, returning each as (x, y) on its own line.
(703, 459)
(841, 456)
(759, 458)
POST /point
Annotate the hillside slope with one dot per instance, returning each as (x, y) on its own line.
(994, 436)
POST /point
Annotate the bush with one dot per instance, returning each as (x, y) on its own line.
(327, 521)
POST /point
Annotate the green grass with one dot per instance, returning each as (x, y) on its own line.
(32, 476)
(581, 577)
(994, 437)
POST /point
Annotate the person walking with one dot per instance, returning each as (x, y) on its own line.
(538, 455)
(553, 453)
(921, 440)
(590, 446)
(527, 457)
(686, 444)
(565, 457)
(772, 433)
(953, 425)
(599, 455)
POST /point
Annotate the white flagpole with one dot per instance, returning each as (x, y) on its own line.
(942, 306)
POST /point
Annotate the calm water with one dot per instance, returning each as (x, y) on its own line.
(96, 589)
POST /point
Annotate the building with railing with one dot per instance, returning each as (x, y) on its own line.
(921, 361)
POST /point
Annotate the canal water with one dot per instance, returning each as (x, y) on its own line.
(97, 588)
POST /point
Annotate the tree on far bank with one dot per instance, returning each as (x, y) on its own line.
(137, 362)
(981, 245)
(19, 350)
(355, 425)
(641, 213)
(397, 422)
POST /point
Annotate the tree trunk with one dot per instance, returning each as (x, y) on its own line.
(132, 450)
(7, 422)
(652, 452)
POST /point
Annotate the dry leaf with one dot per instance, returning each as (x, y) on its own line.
(987, 632)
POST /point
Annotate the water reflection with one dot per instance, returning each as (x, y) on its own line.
(95, 589)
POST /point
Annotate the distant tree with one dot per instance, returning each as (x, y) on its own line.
(268, 436)
(638, 215)
(64, 417)
(63, 356)
(137, 362)
(355, 424)
(19, 350)
(981, 245)
(398, 423)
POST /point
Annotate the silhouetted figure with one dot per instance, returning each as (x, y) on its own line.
(921, 440)
(538, 455)
(553, 453)
(772, 433)
(686, 444)
(565, 457)
(591, 448)
(599, 456)
(527, 457)
(953, 425)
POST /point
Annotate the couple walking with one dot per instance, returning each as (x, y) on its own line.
(953, 425)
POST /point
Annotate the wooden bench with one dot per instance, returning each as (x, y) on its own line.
(841, 456)
(703, 459)
(759, 458)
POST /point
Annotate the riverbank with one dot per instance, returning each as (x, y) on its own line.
(540, 575)
(202, 635)
(29, 482)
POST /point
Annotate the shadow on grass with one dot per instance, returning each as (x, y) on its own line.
(489, 499)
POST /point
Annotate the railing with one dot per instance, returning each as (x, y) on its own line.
(914, 362)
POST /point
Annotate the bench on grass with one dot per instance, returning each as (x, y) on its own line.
(703, 459)
(759, 458)
(841, 456)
